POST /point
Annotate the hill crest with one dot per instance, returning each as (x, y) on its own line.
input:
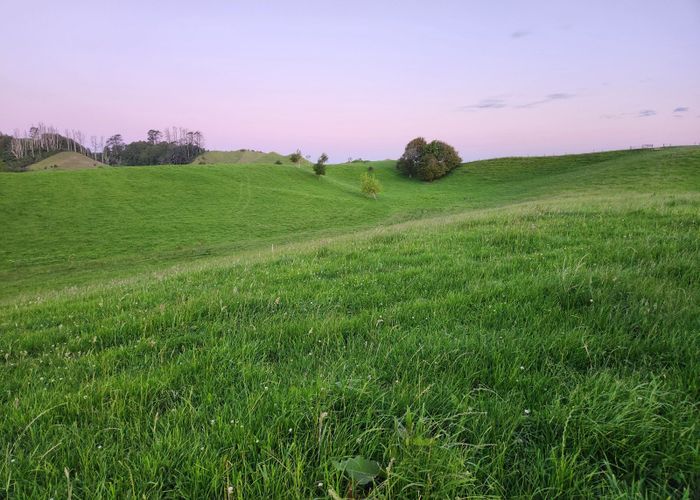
(66, 160)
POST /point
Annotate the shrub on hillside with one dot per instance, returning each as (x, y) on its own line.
(428, 161)
(296, 157)
(370, 185)
(320, 165)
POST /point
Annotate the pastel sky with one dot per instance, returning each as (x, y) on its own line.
(360, 78)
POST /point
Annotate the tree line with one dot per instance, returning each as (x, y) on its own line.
(172, 145)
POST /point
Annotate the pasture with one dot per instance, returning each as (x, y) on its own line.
(523, 327)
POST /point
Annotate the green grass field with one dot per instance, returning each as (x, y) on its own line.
(243, 156)
(522, 328)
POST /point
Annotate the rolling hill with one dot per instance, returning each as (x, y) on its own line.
(66, 160)
(242, 156)
(102, 223)
(525, 327)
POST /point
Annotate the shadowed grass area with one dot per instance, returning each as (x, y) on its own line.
(539, 338)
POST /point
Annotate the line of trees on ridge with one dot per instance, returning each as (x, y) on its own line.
(172, 145)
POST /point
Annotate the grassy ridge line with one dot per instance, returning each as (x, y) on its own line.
(543, 351)
(258, 255)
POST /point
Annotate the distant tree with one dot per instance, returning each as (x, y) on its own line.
(428, 161)
(296, 157)
(154, 136)
(114, 149)
(320, 165)
(370, 185)
(278, 162)
(93, 146)
(409, 161)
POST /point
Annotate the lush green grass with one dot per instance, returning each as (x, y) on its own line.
(67, 228)
(66, 160)
(541, 339)
(244, 156)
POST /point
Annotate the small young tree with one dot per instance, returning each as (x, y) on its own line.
(320, 165)
(296, 157)
(370, 185)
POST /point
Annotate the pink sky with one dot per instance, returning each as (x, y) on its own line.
(359, 79)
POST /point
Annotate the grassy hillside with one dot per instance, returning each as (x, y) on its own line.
(524, 327)
(243, 156)
(66, 160)
(68, 228)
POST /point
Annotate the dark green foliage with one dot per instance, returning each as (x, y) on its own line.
(154, 136)
(428, 161)
(158, 153)
(320, 165)
(278, 162)
(114, 149)
(409, 161)
(296, 157)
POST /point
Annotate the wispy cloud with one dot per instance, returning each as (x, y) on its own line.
(520, 34)
(485, 104)
(681, 109)
(495, 103)
(646, 112)
(558, 96)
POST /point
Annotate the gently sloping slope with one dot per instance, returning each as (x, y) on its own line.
(548, 347)
(75, 227)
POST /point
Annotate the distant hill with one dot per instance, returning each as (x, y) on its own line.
(66, 160)
(242, 156)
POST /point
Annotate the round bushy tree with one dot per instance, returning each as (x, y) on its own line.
(408, 163)
(428, 161)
